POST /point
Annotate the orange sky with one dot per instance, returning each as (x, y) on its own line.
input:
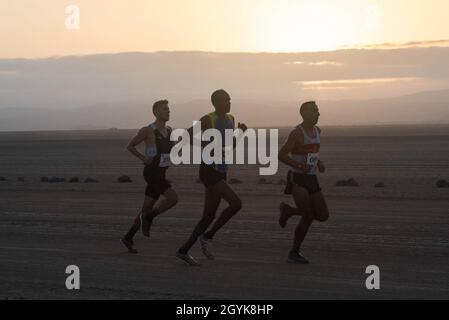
(30, 28)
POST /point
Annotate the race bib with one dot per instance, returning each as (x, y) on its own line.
(312, 159)
(165, 160)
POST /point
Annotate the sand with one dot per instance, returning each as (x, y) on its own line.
(402, 228)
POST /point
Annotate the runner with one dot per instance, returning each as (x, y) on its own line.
(156, 160)
(214, 179)
(301, 154)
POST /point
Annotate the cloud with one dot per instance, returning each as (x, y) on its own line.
(413, 44)
(8, 73)
(316, 64)
(351, 83)
(72, 82)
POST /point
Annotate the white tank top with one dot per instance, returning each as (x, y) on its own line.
(308, 153)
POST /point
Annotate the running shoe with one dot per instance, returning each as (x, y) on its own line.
(296, 258)
(207, 247)
(129, 244)
(187, 258)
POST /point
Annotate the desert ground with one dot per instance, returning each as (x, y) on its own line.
(402, 228)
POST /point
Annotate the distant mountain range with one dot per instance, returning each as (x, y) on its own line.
(117, 90)
(427, 107)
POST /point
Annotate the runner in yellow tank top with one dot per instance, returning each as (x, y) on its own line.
(214, 179)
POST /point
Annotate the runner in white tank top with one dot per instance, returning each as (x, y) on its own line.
(307, 153)
(301, 154)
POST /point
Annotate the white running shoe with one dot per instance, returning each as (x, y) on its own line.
(207, 247)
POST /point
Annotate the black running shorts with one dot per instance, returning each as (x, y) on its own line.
(157, 184)
(209, 176)
(307, 181)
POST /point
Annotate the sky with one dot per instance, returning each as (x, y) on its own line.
(116, 57)
(44, 28)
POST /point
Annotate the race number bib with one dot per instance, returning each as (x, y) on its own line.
(312, 159)
(165, 160)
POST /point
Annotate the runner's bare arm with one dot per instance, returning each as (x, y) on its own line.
(144, 134)
(205, 124)
(242, 127)
(321, 166)
(284, 154)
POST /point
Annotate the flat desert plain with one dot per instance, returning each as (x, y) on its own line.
(401, 228)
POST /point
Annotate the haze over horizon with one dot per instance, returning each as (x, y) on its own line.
(364, 61)
(352, 86)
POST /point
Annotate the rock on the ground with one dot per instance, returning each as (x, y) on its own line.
(56, 180)
(442, 184)
(264, 181)
(348, 183)
(379, 185)
(124, 179)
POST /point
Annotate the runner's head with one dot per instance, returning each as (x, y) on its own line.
(310, 112)
(221, 100)
(161, 110)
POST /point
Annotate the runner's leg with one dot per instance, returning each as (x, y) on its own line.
(211, 204)
(170, 200)
(304, 204)
(235, 205)
(147, 206)
(290, 211)
(321, 211)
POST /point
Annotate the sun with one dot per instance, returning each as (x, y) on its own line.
(311, 27)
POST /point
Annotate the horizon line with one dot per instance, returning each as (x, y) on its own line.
(380, 47)
(386, 124)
